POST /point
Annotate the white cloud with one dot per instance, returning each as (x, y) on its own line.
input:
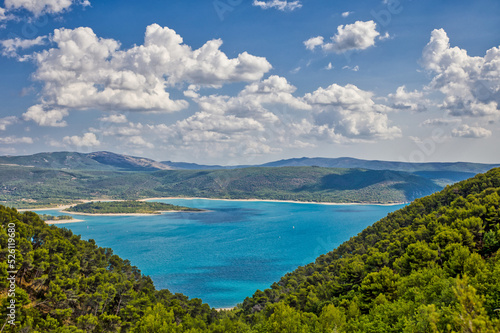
(249, 122)
(139, 141)
(114, 118)
(4, 16)
(87, 140)
(84, 71)
(470, 85)
(408, 100)
(39, 7)
(282, 5)
(440, 122)
(385, 36)
(357, 36)
(130, 129)
(7, 121)
(350, 113)
(466, 131)
(354, 68)
(346, 14)
(11, 140)
(311, 43)
(53, 118)
(11, 46)
(329, 66)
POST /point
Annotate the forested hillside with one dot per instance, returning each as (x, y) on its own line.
(432, 266)
(24, 187)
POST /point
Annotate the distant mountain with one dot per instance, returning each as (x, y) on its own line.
(347, 162)
(194, 166)
(98, 161)
(35, 187)
(441, 173)
(125, 162)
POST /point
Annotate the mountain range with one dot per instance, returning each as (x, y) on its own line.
(66, 177)
(109, 161)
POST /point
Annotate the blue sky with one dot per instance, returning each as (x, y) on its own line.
(248, 81)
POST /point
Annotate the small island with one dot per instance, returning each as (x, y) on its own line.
(127, 207)
(47, 217)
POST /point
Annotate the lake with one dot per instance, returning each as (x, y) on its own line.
(227, 253)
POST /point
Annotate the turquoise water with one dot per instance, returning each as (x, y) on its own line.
(227, 253)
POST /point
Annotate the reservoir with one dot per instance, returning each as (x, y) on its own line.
(226, 253)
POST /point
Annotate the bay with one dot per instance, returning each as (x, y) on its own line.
(228, 252)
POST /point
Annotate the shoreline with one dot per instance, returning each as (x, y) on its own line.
(62, 207)
(287, 201)
(126, 214)
(63, 221)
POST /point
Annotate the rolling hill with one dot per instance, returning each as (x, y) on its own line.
(35, 187)
(118, 162)
(429, 267)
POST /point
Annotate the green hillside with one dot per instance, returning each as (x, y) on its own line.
(127, 207)
(432, 266)
(36, 187)
(97, 161)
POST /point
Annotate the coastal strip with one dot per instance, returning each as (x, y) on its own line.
(287, 201)
(62, 207)
(63, 221)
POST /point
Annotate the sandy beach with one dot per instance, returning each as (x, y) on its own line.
(125, 214)
(289, 201)
(62, 207)
(63, 221)
(44, 208)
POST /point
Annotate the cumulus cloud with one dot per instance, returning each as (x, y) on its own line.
(352, 68)
(53, 118)
(7, 121)
(282, 5)
(346, 14)
(313, 42)
(114, 118)
(3, 16)
(10, 47)
(11, 140)
(138, 141)
(466, 131)
(470, 85)
(130, 129)
(267, 115)
(39, 7)
(357, 36)
(85, 71)
(408, 100)
(247, 122)
(349, 113)
(87, 140)
(438, 122)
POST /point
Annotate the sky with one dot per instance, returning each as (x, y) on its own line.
(248, 81)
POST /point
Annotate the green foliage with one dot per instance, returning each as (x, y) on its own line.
(406, 273)
(37, 187)
(432, 266)
(65, 284)
(46, 217)
(127, 207)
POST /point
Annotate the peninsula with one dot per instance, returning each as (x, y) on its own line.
(127, 207)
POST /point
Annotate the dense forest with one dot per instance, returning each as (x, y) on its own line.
(47, 217)
(432, 266)
(127, 207)
(25, 187)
